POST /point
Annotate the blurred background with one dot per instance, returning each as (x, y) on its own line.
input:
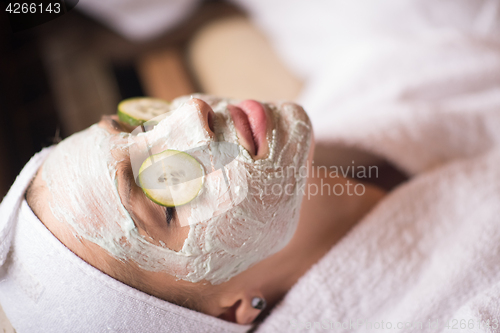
(62, 76)
(355, 66)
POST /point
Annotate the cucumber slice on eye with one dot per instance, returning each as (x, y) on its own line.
(171, 178)
(136, 111)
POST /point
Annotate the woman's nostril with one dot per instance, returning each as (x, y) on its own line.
(206, 113)
(211, 116)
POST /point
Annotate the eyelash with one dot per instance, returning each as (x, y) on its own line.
(169, 211)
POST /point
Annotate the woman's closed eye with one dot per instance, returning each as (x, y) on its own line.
(169, 211)
(158, 224)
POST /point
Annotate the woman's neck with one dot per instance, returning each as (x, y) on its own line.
(325, 218)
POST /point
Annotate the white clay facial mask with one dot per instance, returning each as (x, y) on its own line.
(225, 182)
(245, 211)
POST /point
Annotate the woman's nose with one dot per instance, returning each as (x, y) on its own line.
(206, 114)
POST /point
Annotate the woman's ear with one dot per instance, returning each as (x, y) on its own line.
(245, 308)
(250, 307)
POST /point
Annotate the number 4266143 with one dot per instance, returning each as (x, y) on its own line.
(25, 8)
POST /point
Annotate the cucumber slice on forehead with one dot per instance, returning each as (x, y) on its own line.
(136, 111)
(171, 178)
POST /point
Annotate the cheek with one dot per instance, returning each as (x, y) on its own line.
(149, 218)
(151, 223)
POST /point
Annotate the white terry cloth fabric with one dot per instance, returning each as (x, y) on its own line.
(139, 20)
(416, 82)
(429, 253)
(44, 287)
(373, 67)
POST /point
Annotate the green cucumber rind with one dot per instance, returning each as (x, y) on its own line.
(133, 121)
(129, 119)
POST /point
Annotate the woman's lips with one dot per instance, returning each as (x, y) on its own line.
(258, 121)
(250, 120)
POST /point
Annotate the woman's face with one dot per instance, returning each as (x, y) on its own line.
(247, 209)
